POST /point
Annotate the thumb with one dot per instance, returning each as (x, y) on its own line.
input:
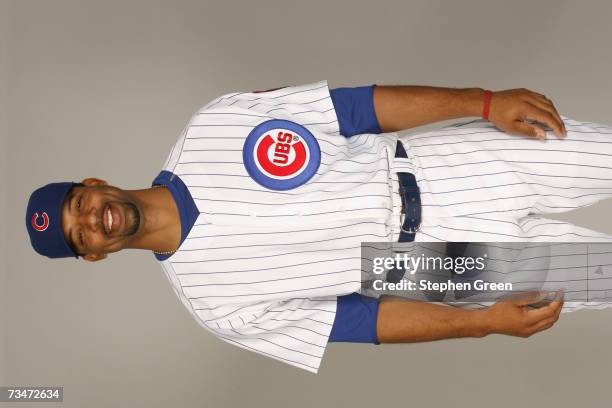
(530, 130)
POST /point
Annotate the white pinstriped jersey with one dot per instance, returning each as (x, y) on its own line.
(262, 268)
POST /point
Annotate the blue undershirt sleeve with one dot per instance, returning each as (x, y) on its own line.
(355, 320)
(355, 110)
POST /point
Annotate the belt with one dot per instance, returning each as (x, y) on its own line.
(410, 219)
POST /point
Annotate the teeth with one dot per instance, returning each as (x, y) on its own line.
(109, 218)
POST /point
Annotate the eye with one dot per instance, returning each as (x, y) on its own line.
(81, 239)
(78, 205)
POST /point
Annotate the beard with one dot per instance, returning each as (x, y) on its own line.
(133, 218)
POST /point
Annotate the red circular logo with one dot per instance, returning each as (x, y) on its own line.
(45, 223)
(281, 154)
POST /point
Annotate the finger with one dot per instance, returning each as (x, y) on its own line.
(545, 322)
(529, 130)
(545, 117)
(538, 94)
(545, 102)
(545, 312)
(558, 312)
(547, 105)
(542, 323)
(550, 306)
(557, 307)
(561, 300)
(541, 326)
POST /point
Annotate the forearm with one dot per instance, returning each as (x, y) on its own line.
(404, 321)
(404, 107)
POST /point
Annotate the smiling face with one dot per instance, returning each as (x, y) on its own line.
(98, 219)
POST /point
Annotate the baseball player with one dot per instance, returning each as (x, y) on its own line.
(261, 206)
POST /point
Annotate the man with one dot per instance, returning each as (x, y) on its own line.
(259, 212)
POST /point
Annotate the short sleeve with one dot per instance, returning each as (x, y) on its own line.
(309, 105)
(295, 331)
(355, 110)
(355, 320)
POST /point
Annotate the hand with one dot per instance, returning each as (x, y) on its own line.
(515, 110)
(515, 318)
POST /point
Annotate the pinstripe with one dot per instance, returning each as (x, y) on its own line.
(516, 172)
(300, 113)
(276, 232)
(348, 145)
(196, 187)
(365, 153)
(308, 329)
(493, 198)
(293, 310)
(295, 362)
(283, 103)
(299, 320)
(292, 202)
(208, 260)
(250, 126)
(505, 139)
(518, 162)
(235, 114)
(240, 163)
(221, 98)
(304, 214)
(281, 346)
(261, 281)
(233, 311)
(297, 243)
(517, 184)
(277, 292)
(512, 150)
(484, 130)
(287, 335)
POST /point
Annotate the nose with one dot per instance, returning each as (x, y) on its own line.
(91, 219)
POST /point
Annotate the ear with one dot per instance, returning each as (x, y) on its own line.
(94, 257)
(92, 181)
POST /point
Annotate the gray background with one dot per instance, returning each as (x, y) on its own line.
(104, 88)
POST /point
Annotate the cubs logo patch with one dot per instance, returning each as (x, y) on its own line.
(281, 155)
(45, 222)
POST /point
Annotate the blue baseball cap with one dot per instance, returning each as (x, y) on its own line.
(44, 220)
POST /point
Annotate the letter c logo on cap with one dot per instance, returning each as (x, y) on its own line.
(45, 223)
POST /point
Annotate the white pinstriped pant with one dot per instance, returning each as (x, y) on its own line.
(480, 184)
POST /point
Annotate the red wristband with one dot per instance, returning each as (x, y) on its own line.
(487, 104)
